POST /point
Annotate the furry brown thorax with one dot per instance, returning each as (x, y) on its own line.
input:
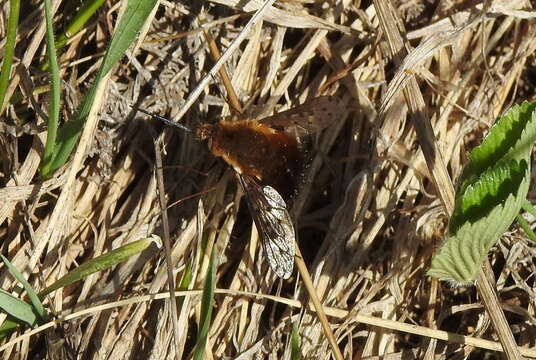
(269, 155)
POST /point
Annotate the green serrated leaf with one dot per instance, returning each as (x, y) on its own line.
(463, 252)
(506, 136)
(491, 189)
(494, 186)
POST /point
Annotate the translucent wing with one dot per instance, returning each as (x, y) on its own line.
(313, 115)
(273, 222)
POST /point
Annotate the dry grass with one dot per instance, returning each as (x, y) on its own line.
(369, 214)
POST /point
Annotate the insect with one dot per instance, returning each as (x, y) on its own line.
(266, 157)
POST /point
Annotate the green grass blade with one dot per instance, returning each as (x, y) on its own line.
(54, 106)
(206, 308)
(32, 295)
(87, 10)
(68, 136)
(98, 264)
(17, 308)
(186, 279)
(130, 24)
(9, 50)
(526, 227)
(8, 327)
(295, 352)
(528, 207)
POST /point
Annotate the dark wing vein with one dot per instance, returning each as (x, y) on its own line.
(274, 224)
(313, 115)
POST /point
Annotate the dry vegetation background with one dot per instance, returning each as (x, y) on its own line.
(367, 244)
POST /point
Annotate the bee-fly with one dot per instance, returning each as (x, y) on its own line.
(266, 157)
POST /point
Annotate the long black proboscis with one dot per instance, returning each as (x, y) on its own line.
(165, 120)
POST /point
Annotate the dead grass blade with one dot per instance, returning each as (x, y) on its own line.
(308, 283)
(226, 55)
(167, 242)
(333, 312)
(370, 213)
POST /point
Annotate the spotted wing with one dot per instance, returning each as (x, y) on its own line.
(313, 115)
(273, 222)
